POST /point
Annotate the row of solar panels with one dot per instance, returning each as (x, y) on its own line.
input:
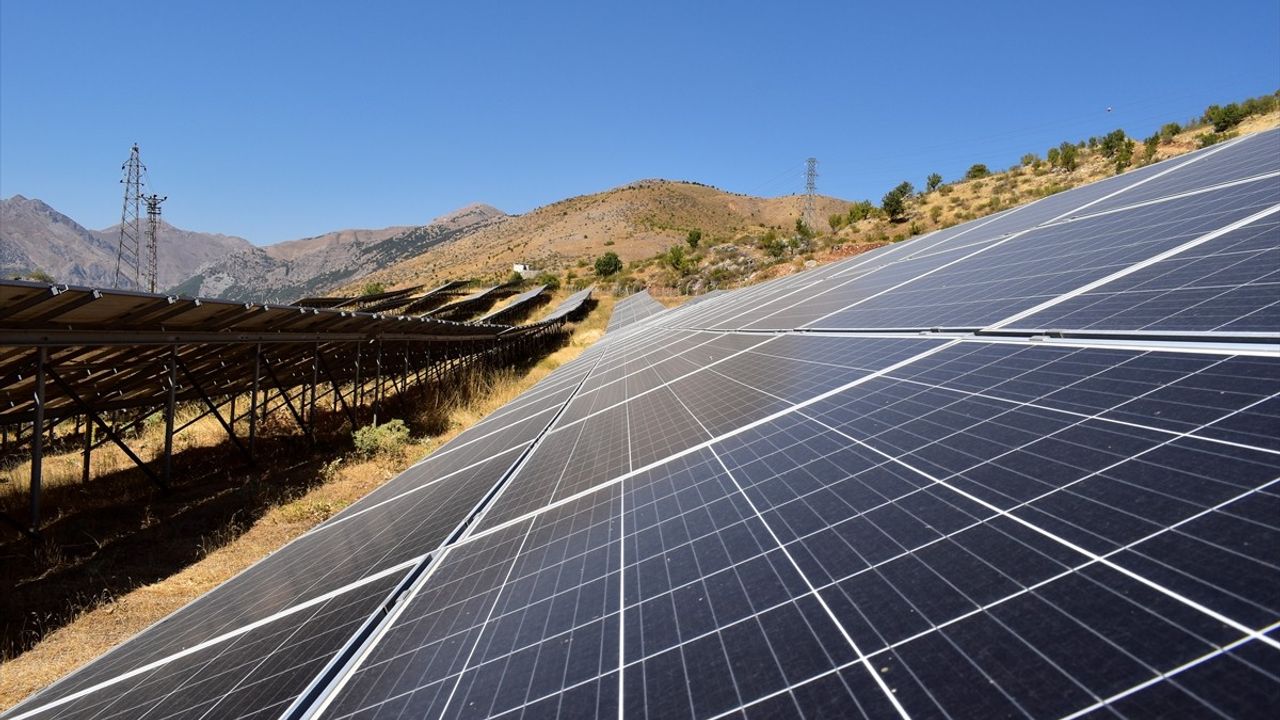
(1025, 466)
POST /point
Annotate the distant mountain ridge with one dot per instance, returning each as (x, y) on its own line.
(287, 271)
(35, 237)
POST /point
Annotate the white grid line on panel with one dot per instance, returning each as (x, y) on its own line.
(474, 518)
(219, 639)
(1005, 239)
(1171, 252)
(707, 443)
(1167, 675)
(1238, 626)
(812, 590)
(860, 658)
(665, 384)
(429, 483)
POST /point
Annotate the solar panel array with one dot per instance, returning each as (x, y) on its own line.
(1025, 466)
(632, 309)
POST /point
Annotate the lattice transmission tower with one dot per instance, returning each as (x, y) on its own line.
(128, 253)
(810, 192)
(153, 232)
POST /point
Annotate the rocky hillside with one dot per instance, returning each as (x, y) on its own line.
(287, 271)
(35, 238)
(635, 221)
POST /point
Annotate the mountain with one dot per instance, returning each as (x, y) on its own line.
(287, 271)
(35, 237)
(636, 221)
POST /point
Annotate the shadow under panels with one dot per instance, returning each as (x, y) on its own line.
(1043, 264)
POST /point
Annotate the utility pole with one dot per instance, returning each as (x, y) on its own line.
(810, 192)
(128, 257)
(153, 231)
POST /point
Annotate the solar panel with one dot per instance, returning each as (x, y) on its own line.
(633, 309)
(1025, 466)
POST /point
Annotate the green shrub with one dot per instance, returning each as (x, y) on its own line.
(860, 210)
(975, 171)
(608, 264)
(933, 182)
(372, 288)
(1168, 131)
(1150, 147)
(693, 238)
(1224, 118)
(1212, 138)
(1113, 143)
(771, 245)
(551, 280)
(388, 439)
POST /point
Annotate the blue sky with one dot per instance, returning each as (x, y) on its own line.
(279, 120)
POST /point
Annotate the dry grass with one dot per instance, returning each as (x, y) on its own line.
(105, 596)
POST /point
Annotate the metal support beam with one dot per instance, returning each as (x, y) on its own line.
(37, 442)
(88, 450)
(170, 408)
(104, 427)
(338, 399)
(377, 385)
(213, 408)
(253, 402)
(287, 401)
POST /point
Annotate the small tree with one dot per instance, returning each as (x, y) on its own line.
(608, 264)
(932, 182)
(1168, 131)
(802, 229)
(860, 210)
(1224, 118)
(975, 171)
(1124, 155)
(894, 203)
(835, 221)
(1150, 147)
(1112, 142)
(1067, 156)
(693, 238)
(1030, 159)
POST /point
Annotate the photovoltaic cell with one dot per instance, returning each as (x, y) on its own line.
(253, 675)
(1229, 284)
(508, 623)
(1013, 276)
(1250, 157)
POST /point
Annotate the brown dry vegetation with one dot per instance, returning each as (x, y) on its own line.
(121, 556)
